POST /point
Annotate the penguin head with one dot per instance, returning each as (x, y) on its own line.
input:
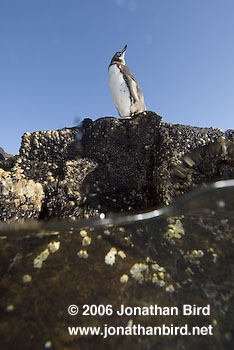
(119, 56)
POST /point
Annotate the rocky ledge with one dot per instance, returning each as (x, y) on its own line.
(111, 165)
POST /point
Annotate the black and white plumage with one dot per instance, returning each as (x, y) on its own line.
(126, 93)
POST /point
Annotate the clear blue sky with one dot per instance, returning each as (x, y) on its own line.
(54, 56)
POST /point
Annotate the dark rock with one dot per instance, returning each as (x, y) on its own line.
(111, 165)
(4, 155)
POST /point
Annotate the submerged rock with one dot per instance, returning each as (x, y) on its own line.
(111, 165)
(172, 275)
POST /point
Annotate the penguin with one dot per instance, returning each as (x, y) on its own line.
(126, 93)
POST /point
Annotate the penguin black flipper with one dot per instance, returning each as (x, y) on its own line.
(131, 82)
(136, 95)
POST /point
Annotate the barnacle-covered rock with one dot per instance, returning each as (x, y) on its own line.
(111, 165)
(19, 197)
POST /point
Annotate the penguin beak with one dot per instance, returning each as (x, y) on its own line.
(124, 49)
(123, 53)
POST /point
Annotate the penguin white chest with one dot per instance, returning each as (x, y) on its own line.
(119, 91)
